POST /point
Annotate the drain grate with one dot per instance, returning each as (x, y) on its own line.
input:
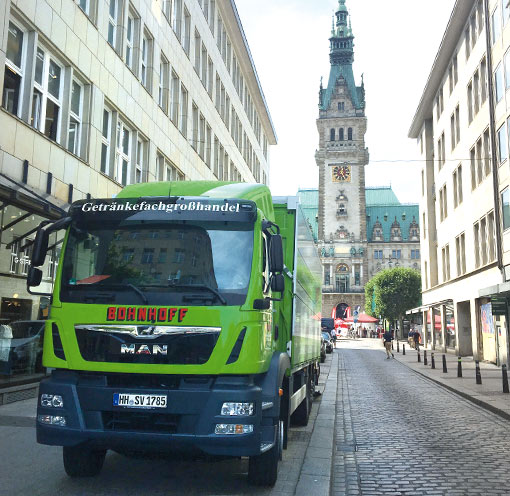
(347, 448)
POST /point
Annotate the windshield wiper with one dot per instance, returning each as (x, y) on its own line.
(126, 285)
(200, 286)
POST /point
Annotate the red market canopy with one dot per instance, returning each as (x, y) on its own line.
(363, 318)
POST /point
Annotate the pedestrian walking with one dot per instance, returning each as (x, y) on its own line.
(416, 339)
(388, 338)
(333, 337)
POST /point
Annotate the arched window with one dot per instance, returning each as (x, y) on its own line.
(349, 134)
(341, 134)
(332, 135)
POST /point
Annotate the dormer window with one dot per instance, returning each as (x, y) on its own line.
(341, 106)
(396, 234)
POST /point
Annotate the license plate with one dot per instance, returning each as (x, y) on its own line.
(139, 400)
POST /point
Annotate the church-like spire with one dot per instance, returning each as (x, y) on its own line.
(341, 56)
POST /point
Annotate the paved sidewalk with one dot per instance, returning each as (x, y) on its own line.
(489, 394)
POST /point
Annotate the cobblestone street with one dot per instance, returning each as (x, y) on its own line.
(398, 433)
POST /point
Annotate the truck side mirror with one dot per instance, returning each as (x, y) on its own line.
(262, 304)
(275, 253)
(277, 283)
(34, 277)
(40, 247)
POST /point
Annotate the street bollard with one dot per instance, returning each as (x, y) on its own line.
(477, 373)
(398, 347)
(419, 356)
(403, 349)
(425, 357)
(459, 367)
(432, 361)
(445, 370)
(505, 379)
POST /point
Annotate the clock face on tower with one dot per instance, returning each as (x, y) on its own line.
(341, 173)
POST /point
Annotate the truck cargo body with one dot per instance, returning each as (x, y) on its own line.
(171, 329)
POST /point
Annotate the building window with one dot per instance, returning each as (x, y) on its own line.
(498, 82)
(502, 144)
(174, 101)
(75, 118)
(457, 186)
(11, 97)
(349, 134)
(341, 134)
(341, 106)
(194, 126)
(332, 134)
(141, 160)
(146, 62)
(132, 28)
(183, 111)
(147, 255)
(47, 95)
(445, 253)
(495, 25)
(105, 142)
(177, 18)
(179, 256)
(164, 75)
(378, 254)
(113, 21)
(505, 206)
(415, 254)
(460, 246)
(396, 254)
(483, 80)
(123, 154)
(186, 31)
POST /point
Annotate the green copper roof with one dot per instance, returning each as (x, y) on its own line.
(309, 200)
(382, 195)
(387, 214)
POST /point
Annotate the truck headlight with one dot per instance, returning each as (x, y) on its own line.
(233, 429)
(52, 400)
(231, 408)
(52, 420)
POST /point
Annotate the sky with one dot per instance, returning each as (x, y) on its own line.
(395, 45)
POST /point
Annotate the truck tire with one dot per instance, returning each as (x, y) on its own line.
(82, 462)
(302, 412)
(263, 468)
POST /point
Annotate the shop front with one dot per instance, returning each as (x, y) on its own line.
(22, 314)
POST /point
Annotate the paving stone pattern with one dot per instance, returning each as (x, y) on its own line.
(398, 433)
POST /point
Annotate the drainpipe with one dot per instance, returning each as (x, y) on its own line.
(492, 127)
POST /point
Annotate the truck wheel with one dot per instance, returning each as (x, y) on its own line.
(302, 412)
(263, 469)
(82, 462)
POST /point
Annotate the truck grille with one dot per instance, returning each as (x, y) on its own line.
(140, 421)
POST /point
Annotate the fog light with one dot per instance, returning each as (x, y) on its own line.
(52, 420)
(233, 429)
(52, 400)
(233, 409)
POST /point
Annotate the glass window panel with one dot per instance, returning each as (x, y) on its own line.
(125, 141)
(112, 7)
(39, 64)
(75, 98)
(14, 45)
(54, 79)
(124, 172)
(498, 81)
(104, 157)
(73, 134)
(51, 120)
(106, 122)
(36, 109)
(10, 98)
(505, 204)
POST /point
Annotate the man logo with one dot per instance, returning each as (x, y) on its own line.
(143, 349)
(147, 331)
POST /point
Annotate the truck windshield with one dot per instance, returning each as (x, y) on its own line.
(157, 263)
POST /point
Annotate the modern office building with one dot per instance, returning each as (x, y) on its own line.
(97, 94)
(461, 128)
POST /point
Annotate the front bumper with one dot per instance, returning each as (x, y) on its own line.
(186, 424)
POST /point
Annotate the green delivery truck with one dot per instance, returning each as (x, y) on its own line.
(185, 317)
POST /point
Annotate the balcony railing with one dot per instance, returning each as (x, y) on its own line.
(343, 290)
